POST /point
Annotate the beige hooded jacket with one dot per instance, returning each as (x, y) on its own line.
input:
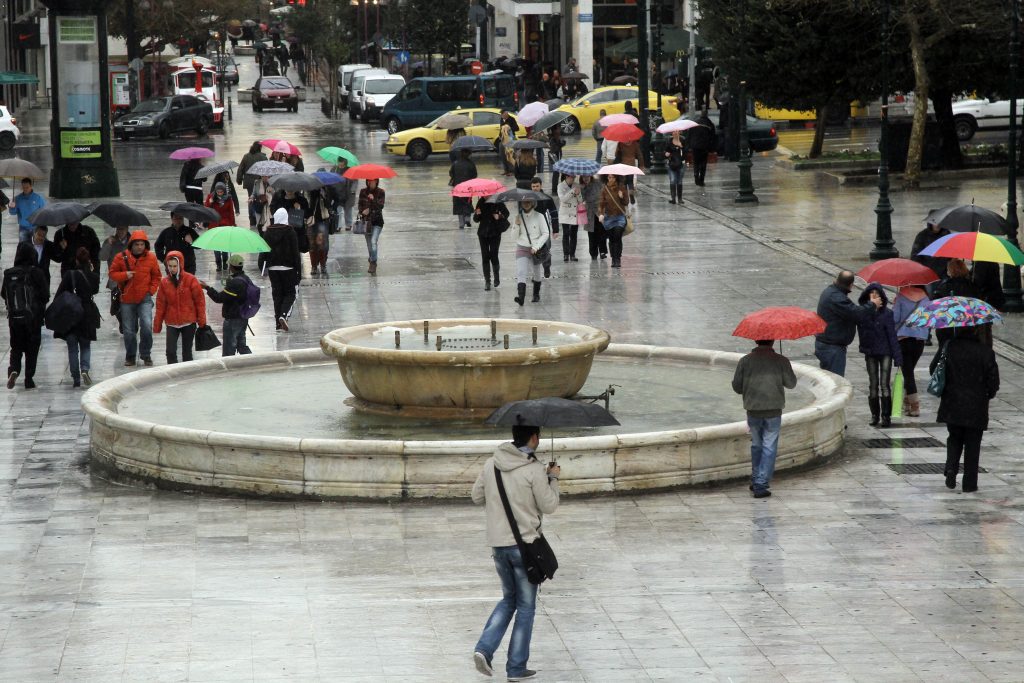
(530, 494)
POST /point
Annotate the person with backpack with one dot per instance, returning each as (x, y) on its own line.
(284, 266)
(137, 273)
(83, 281)
(241, 300)
(25, 292)
(181, 304)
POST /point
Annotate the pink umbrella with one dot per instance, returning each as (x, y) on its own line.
(612, 119)
(282, 146)
(620, 169)
(477, 187)
(186, 153)
(678, 125)
(532, 113)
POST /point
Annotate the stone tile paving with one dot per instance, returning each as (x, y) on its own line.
(850, 573)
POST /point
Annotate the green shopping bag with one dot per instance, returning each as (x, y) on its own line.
(897, 394)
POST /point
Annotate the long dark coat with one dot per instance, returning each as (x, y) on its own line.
(972, 380)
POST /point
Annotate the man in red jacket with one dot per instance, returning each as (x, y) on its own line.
(137, 274)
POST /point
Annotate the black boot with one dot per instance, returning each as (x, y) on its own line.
(886, 411)
(536, 292)
(672, 190)
(874, 403)
(521, 296)
(487, 283)
(679, 192)
(496, 280)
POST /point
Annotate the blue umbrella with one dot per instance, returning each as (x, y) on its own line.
(576, 167)
(328, 178)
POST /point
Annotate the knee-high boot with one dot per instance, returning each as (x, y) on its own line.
(875, 405)
(536, 292)
(679, 192)
(672, 190)
(520, 293)
(886, 411)
(497, 280)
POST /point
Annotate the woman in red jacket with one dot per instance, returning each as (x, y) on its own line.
(220, 201)
(181, 304)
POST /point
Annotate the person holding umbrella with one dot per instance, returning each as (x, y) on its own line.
(615, 198)
(570, 198)
(45, 252)
(675, 152)
(371, 212)
(881, 349)
(911, 340)
(492, 218)
(922, 241)
(344, 195)
(462, 170)
(248, 181)
(234, 297)
(70, 238)
(530, 231)
(83, 281)
(596, 133)
(188, 184)
(597, 241)
(525, 167)
(178, 237)
(221, 202)
(112, 247)
(702, 141)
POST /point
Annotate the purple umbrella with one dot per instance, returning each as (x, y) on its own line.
(186, 153)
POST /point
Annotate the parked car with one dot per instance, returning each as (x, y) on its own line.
(424, 99)
(274, 91)
(9, 132)
(970, 115)
(355, 90)
(227, 68)
(165, 116)
(586, 109)
(345, 72)
(761, 133)
(419, 143)
(377, 91)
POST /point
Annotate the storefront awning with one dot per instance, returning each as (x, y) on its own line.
(673, 38)
(17, 78)
(521, 8)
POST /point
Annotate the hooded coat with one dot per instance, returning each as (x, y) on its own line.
(223, 205)
(179, 300)
(877, 330)
(146, 269)
(284, 247)
(972, 380)
(530, 493)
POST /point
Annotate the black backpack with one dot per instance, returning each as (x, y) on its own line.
(21, 295)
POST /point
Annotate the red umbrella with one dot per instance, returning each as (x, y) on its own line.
(369, 172)
(282, 146)
(898, 272)
(622, 132)
(477, 187)
(780, 322)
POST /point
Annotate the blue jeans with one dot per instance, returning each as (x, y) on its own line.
(372, 238)
(234, 337)
(764, 446)
(136, 318)
(79, 355)
(597, 155)
(675, 177)
(519, 597)
(831, 357)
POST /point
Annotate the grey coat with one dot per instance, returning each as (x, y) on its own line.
(592, 196)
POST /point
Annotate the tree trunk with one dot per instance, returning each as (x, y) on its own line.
(819, 132)
(942, 102)
(912, 174)
(332, 85)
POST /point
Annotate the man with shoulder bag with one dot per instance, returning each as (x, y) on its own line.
(517, 491)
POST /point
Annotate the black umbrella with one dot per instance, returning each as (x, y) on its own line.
(116, 213)
(472, 143)
(624, 80)
(528, 144)
(296, 182)
(551, 412)
(968, 218)
(551, 119)
(517, 194)
(59, 213)
(575, 76)
(191, 212)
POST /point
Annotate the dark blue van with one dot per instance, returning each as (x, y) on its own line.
(424, 99)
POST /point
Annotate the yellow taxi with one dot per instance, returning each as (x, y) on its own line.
(586, 110)
(419, 143)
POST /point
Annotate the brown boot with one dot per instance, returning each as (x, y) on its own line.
(373, 268)
(915, 406)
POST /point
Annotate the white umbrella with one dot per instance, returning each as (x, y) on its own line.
(620, 169)
(678, 125)
(532, 113)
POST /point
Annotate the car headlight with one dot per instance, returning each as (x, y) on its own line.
(392, 139)
(147, 122)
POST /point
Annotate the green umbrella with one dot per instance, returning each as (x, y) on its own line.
(232, 238)
(332, 154)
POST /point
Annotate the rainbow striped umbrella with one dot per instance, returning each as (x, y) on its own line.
(975, 246)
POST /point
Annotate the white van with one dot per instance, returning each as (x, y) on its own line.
(378, 91)
(355, 88)
(345, 80)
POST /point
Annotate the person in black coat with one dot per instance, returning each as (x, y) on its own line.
(177, 237)
(492, 218)
(881, 349)
(701, 141)
(461, 170)
(958, 283)
(922, 241)
(46, 252)
(284, 266)
(72, 237)
(972, 380)
(841, 316)
(25, 325)
(188, 184)
(84, 281)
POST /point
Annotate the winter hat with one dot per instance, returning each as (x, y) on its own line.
(281, 217)
(236, 260)
(220, 186)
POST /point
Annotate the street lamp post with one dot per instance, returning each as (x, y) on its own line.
(884, 246)
(658, 140)
(1011, 273)
(745, 195)
(643, 82)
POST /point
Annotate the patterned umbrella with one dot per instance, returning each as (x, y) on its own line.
(975, 246)
(187, 153)
(269, 168)
(478, 187)
(954, 311)
(780, 322)
(214, 169)
(577, 167)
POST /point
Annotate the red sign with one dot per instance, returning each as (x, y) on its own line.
(476, 68)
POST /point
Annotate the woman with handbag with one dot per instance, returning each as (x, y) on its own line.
(570, 200)
(911, 340)
(461, 170)
(317, 232)
(371, 215)
(612, 214)
(530, 231)
(83, 282)
(181, 303)
(597, 241)
(493, 220)
(675, 152)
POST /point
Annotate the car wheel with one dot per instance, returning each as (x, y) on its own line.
(392, 125)
(570, 126)
(965, 127)
(254, 105)
(418, 150)
(7, 140)
(164, 131)
(203, 127)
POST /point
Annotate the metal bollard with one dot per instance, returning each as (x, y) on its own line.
(494, 330)
(398, 339)
(506, 341)
(535, 336)
(426, 331)
(438, 342)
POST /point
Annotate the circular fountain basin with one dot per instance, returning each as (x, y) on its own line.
(276, 424)
(459, 368)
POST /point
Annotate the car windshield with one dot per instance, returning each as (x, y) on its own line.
(155, 104)
(384, 87)
(275, 84)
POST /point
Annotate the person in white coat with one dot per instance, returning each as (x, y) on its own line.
(530, 231)
(570, 197)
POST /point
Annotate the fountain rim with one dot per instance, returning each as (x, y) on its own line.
(831, 393)
(337, 343)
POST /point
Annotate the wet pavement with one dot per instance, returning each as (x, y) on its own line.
(858, 570)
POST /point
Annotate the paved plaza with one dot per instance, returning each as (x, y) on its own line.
(856, 570)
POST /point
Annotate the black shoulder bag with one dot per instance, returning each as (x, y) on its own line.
(542, 254)
(538, 558)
